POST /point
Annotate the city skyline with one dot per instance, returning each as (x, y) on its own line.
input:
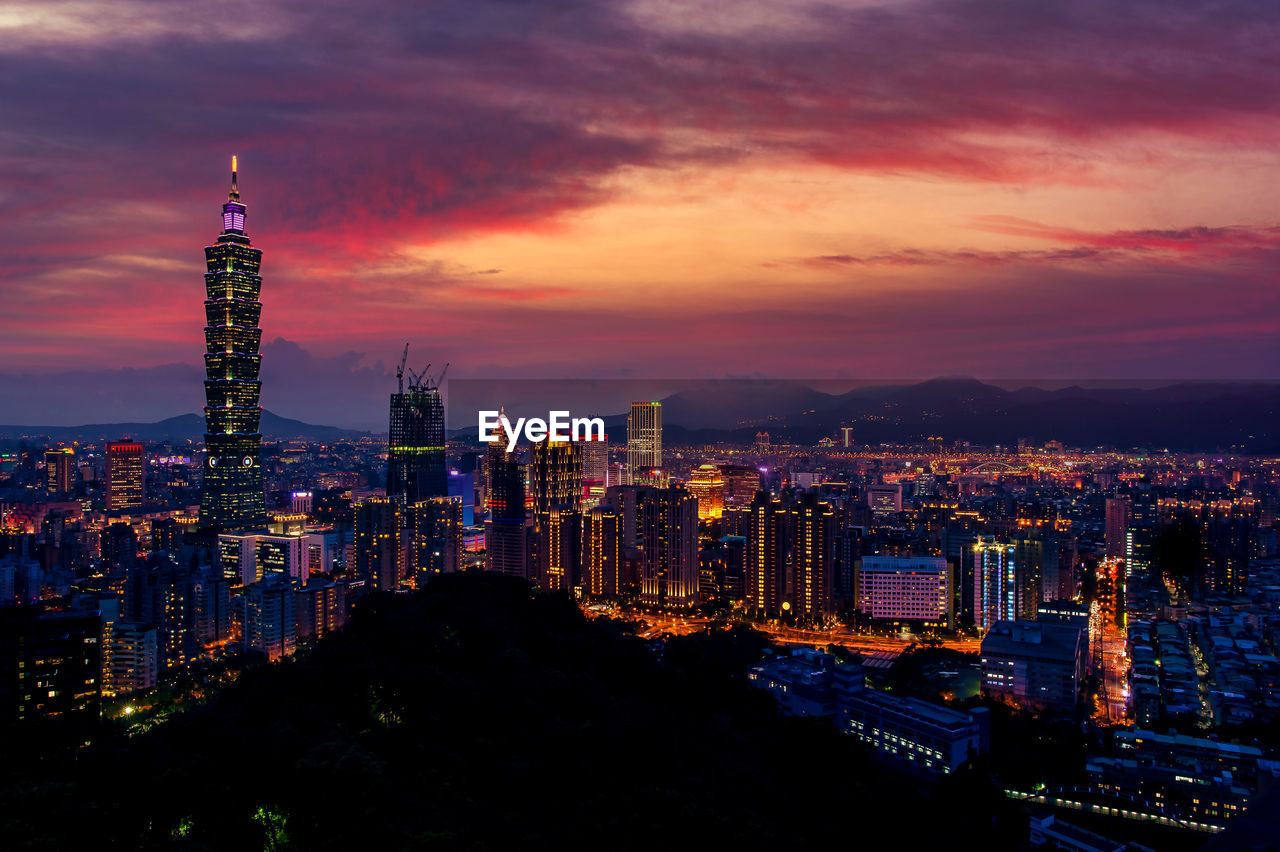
(957, 188)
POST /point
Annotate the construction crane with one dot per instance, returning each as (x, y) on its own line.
(400, 370)
(435, 383)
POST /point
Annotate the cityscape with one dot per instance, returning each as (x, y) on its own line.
(339, 607)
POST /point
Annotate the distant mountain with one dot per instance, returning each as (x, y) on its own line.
(1196, 416)
(181, 428)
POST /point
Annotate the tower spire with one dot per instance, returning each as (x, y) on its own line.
(234, 195)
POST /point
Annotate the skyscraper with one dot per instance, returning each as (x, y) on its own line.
(765, 571)
(1117, 525)
(602, 551)
(232, 497)
(415, 455)
(644, 438)
(707, 484)
(505, 538)
(58, 465)
(379, 548)
(669, 537)
(813, 558)
(126, 476)
(434, 530)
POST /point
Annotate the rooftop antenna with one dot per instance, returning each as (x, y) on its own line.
(234, 195)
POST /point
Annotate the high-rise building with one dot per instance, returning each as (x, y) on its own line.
(885, 499)
(765, 569)
(1034, 664)
(415, 455)
(813, 528)
(595, 460)
(560, 548)
(741, 482)
(379, 550)
(58, 467)
(602, 551)
(232, 495)
(707, 484)
(906, 588)
(669, 539)
(53, 664)
(434, 528)
(555, 476)
(1004, 588)
(271, 617)
(1117, 525)
(162, 593)
(505, 534)
(126, 476)
(644, 438)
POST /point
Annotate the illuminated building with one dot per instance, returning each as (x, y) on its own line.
(555, 476)
(212, 594)
(669, 539)
(1117, 525)
(271, 617)
(434, 529)
(1140, 535)
(249, 557)
(813, 526)
(505, 535)
(133, 662)
(602, 551)
(53, 664)
(595, 460)
(741, 483)
(320, 608)
(706, 483)
(765, 569)
(58, 465)
(161, 592)
(379, 551)
(126, 476)
(846, 436)
(996, 594)
(166, 535)
(560, 547)
(1034, 664)
(885, 499)
(415, 455)
(905, 588)
(644, 438)
(232, 496)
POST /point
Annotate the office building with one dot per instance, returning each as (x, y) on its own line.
(434, 532)
(1117, 526)
(270, 617)
(232, 496)
(505, 532)
(644, 439)
(415, 453)
(741, 482)
(906, 588)
(813, 527)
(885, 499)
(707, 484)
(59, 467)
(1037, 665)
(126, 476)
(669, 541)
(379, 548)
(602, 552)
(53, 664)
(1001, 589)
(768, 540)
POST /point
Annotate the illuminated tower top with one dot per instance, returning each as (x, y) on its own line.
(233, 211)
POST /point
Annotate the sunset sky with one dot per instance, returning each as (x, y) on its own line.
(641, 188)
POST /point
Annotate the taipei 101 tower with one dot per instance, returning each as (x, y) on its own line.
(232, 492)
